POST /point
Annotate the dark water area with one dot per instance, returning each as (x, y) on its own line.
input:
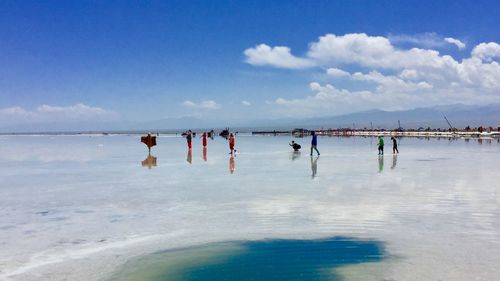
(276, 260)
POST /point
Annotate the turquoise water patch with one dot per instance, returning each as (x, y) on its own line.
(276, 260)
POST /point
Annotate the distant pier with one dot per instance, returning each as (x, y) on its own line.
(393, 133)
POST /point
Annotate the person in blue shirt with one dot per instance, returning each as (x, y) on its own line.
(314, 143)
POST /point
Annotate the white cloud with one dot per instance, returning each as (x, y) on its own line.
(246, 103)
(427, 40)
(49, 113)
(487, 51)
(208, 104)
(335, 72)
(460, 45)
(390, 82)
(275, 56)
(396, 78)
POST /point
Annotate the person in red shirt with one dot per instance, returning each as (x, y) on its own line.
(231, 144)
(204, 136)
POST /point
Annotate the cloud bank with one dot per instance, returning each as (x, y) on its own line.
(50, 117)
(391, 77)
(208, 104)
(50, 113)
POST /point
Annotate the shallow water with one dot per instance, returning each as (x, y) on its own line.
(277, 260)
(86, 207)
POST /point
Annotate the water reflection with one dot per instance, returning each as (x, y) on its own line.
(189, 157)
(380, 163)
(149, 162)
(295, 155)
(205, 153)
(394, 161)
(314, 166)
(277, 260)
(231, 164)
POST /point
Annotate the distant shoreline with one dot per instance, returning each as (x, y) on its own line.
(337, 133)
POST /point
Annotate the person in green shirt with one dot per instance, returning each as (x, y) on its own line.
(380, 145)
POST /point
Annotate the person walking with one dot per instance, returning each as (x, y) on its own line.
(394, 146)
(314, 143)
(380, 145)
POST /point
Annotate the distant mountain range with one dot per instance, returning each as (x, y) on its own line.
(459, 115)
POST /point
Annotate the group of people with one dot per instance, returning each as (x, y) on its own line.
(189, 138)
(151, 141)
(381, 145)
(314, 145)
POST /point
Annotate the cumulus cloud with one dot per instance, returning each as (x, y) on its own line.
(207, 104)
(49, 113)
(246, 103)
(275, 56)
(396, 78)
(460, 45)
(335, 72)
(487, 51)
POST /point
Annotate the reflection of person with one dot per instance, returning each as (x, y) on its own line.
(231, 164)
(380, 163)
(380, 145)
(149, 162)
(189, 156)
(205, 153)
(314, 166)
(231, 144)
(394, 145)
(295, 155)
(314, 143)
(394, 161)
(296, 147)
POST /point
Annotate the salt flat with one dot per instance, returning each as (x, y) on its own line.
(81, 207)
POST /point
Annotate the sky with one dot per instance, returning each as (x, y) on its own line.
(89, 63)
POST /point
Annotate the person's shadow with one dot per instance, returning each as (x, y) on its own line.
(314, 166)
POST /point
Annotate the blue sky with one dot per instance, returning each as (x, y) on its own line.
(147, 60)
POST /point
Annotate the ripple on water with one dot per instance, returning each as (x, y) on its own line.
(276, 260)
